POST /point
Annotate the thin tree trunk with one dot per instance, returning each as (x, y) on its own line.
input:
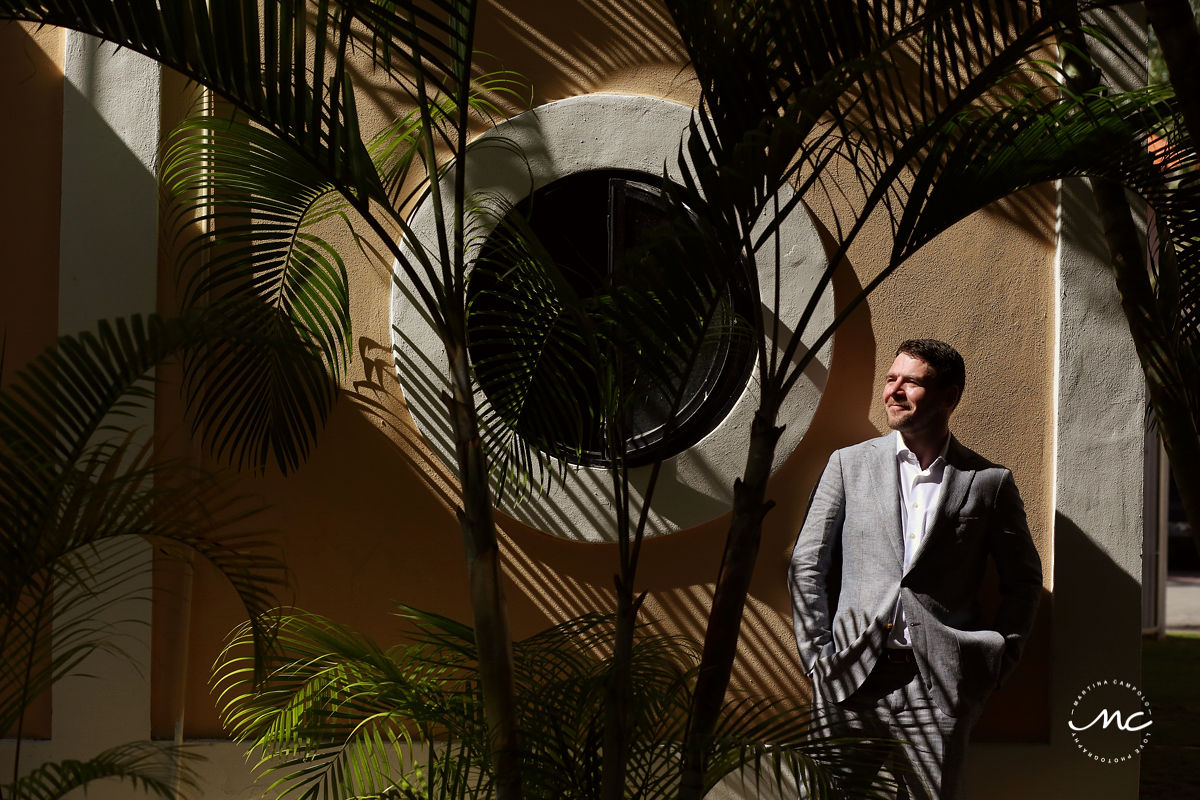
(492, 638)
(619, 697)
(729, 599)
(618, 700)
(1175, 27)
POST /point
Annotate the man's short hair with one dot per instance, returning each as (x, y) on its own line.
(947, 364)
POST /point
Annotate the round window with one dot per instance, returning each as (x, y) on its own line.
(599, 229)
(586, 173)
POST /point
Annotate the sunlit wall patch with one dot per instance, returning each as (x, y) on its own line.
(632, 136)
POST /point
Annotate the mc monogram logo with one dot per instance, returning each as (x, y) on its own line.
(1109, 721)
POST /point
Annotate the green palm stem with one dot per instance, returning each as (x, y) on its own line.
(733, 584)
(476, 519)
(1175, 28)
(492, 637)
(618, 725)
(618, 690)
(618, 730)
(619, 687)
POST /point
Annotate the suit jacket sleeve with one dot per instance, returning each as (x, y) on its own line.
(1020, 571)
(811, 578)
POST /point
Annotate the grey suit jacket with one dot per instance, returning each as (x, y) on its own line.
(847, 572)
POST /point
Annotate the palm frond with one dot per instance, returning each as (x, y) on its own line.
(270, 60)
(338, 715)
(1032, 135)
(534, 349)
(155, 769)
(79, 493)
(247, 209)
(853, 95)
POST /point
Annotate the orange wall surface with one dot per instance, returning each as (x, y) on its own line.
(31, 90)
(367, 522)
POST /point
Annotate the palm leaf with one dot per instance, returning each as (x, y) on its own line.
(863, 107)
(245, 207)
(159, 770)
(338, 715)
(269, 60)
(79, 492)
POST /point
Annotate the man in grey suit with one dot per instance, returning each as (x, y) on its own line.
(886, 575)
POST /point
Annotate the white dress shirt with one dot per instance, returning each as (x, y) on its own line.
(920, 490)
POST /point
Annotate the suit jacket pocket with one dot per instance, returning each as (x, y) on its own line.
(969, 528)
(979, 656)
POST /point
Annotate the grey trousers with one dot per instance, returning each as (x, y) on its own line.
(929, 753)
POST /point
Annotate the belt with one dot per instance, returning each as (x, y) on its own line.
(899, 655)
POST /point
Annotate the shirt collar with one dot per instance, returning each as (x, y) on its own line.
(904, 454)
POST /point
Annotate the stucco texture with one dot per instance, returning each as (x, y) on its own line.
(368, 520)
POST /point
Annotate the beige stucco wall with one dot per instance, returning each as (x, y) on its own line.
(366, 522)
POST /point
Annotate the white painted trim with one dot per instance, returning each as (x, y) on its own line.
(594, 132)
(108, 268)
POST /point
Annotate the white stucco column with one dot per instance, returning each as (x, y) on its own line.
(108, 268)
(1099, 464)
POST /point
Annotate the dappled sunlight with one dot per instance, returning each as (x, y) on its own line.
(580, 49)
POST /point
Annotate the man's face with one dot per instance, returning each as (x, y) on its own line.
(915, 400)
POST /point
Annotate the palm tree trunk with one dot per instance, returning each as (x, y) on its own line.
(1152, 338)
(492, 638)
(619, 697)
(729, 599)
(1175, 28)
(618, 701)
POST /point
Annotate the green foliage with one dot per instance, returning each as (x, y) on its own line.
(261, 392)
(921, 113)
(339, 716)
(911, 115)
(81, 493)
(245, 209)
(156, 769)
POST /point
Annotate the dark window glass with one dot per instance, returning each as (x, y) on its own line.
(597, 228)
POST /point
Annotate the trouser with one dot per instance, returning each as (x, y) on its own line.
(929, 750)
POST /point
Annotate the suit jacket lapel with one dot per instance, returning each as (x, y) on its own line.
(887, 473)
(956, 483)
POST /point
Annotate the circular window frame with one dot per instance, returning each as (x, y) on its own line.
(613, 132)
(708, 403)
